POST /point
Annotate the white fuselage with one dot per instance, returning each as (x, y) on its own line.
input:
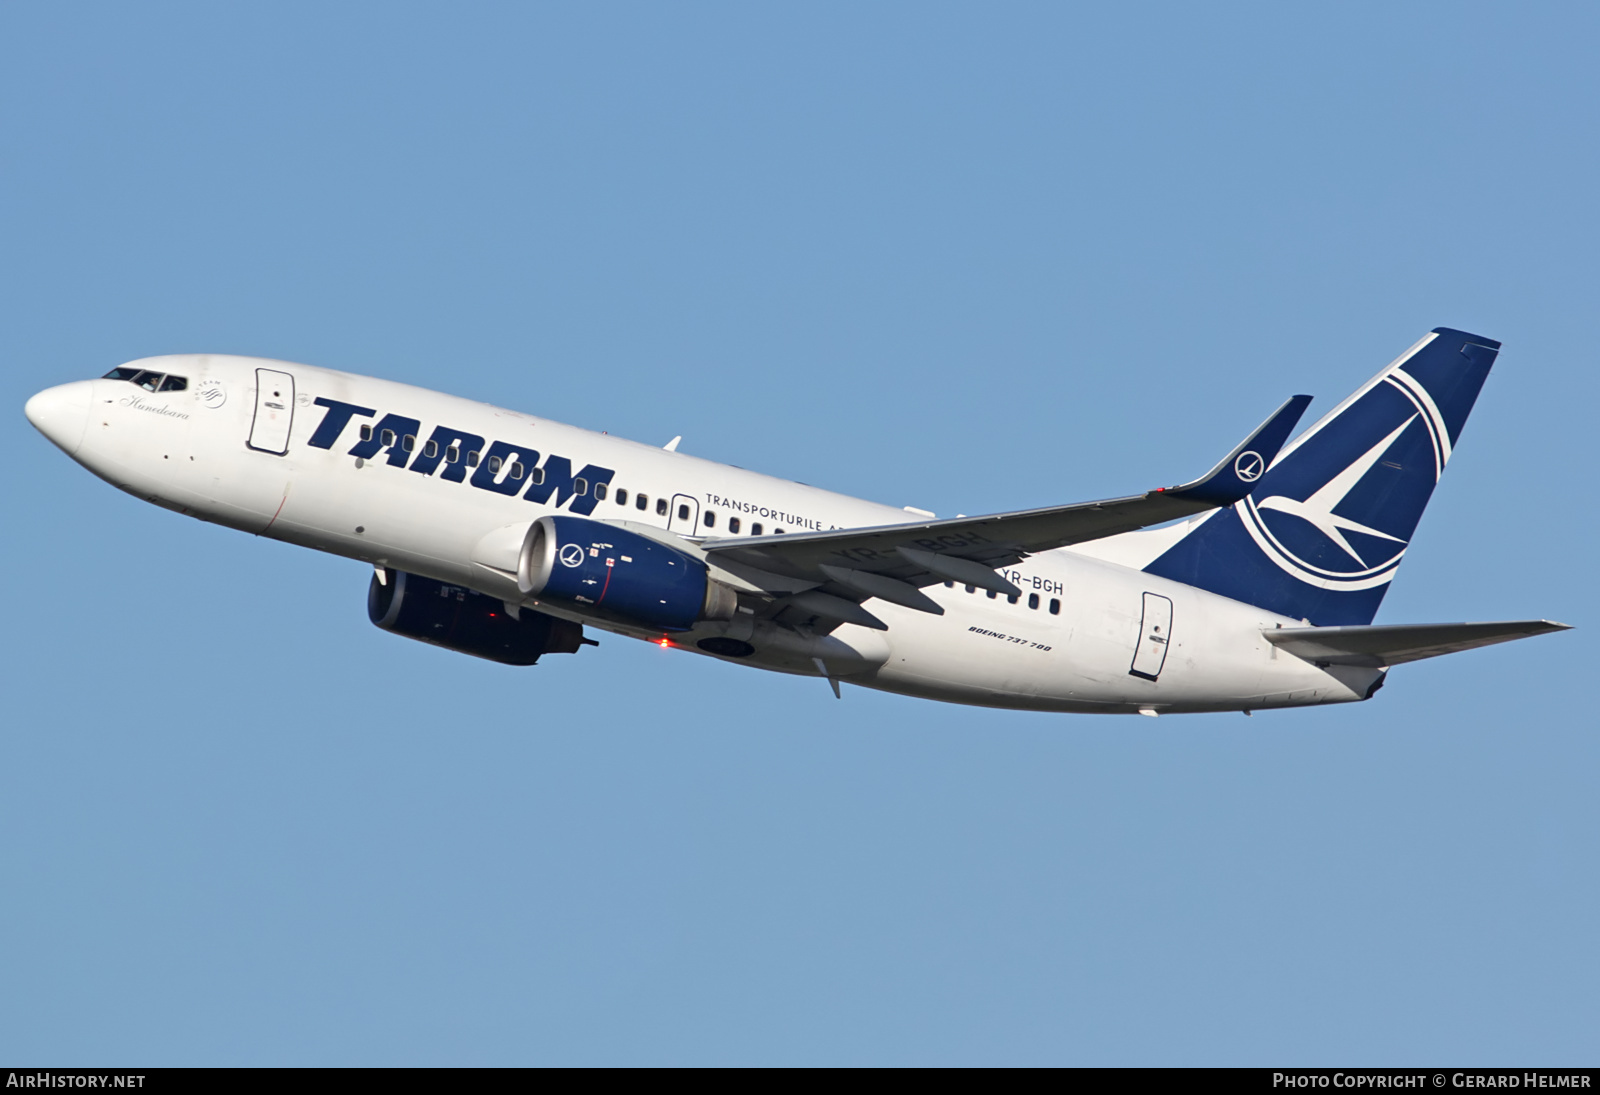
(188, 451)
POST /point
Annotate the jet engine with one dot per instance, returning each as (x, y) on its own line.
(602, 568)
(466, 621)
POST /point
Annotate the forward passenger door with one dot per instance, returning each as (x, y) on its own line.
(269, 430)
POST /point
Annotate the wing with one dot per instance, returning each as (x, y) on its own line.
(1392, 644)
(836, 570)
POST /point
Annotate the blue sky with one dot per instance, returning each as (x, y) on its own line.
(967, 258)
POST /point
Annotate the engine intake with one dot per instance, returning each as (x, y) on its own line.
(600, 567)
(466, 621)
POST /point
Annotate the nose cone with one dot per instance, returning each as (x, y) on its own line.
(61, 413)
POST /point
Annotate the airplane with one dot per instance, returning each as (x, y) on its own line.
(503, 535)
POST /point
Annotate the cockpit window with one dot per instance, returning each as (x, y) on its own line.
(148, 380)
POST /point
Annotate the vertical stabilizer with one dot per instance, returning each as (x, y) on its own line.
(1322, 534)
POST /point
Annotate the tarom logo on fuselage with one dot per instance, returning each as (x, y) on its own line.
(456, 456)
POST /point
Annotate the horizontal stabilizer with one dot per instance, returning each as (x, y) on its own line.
(1392, 644)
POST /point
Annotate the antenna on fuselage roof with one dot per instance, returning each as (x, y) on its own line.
(672, 446)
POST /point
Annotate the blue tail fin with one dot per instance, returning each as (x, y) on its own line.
(1322, 534)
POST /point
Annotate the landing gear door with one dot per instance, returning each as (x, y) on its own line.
(1155, 635)
(269, 430)
(684, 516)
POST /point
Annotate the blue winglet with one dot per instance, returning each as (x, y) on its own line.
(1239, 472)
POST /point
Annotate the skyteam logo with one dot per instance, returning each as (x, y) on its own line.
(1345, 533)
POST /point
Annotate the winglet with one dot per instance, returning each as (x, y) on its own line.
(1237, 474)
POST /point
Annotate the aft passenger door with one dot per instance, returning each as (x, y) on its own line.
(269, 430)
(1155, 636)
(684, 516)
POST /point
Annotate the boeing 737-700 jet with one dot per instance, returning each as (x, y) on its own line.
(503, 535)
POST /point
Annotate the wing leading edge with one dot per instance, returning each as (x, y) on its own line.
(891, 561)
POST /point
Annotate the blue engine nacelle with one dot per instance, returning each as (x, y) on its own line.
(466, 621)
(608, 570)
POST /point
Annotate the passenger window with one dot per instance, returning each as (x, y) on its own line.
(711, 519)
(431, 449)
(1033, 600)
(777, 532)
(683, 513)
(641, 501)
(472, 459)
(148, 381)
(661, 507)
(516, 469)
(733, 524)
(452, 455)
(366, 433)
(580, 486)
(972, 589)
(387, 438)
(122, 372)
(993, 595)
(409, 442)
(174, 384)
(494, 465)
(949, 585)
(622, 496)
(599, 488)
(1011, 598)
(755, 529)
(537, 476)
(1055, 607)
